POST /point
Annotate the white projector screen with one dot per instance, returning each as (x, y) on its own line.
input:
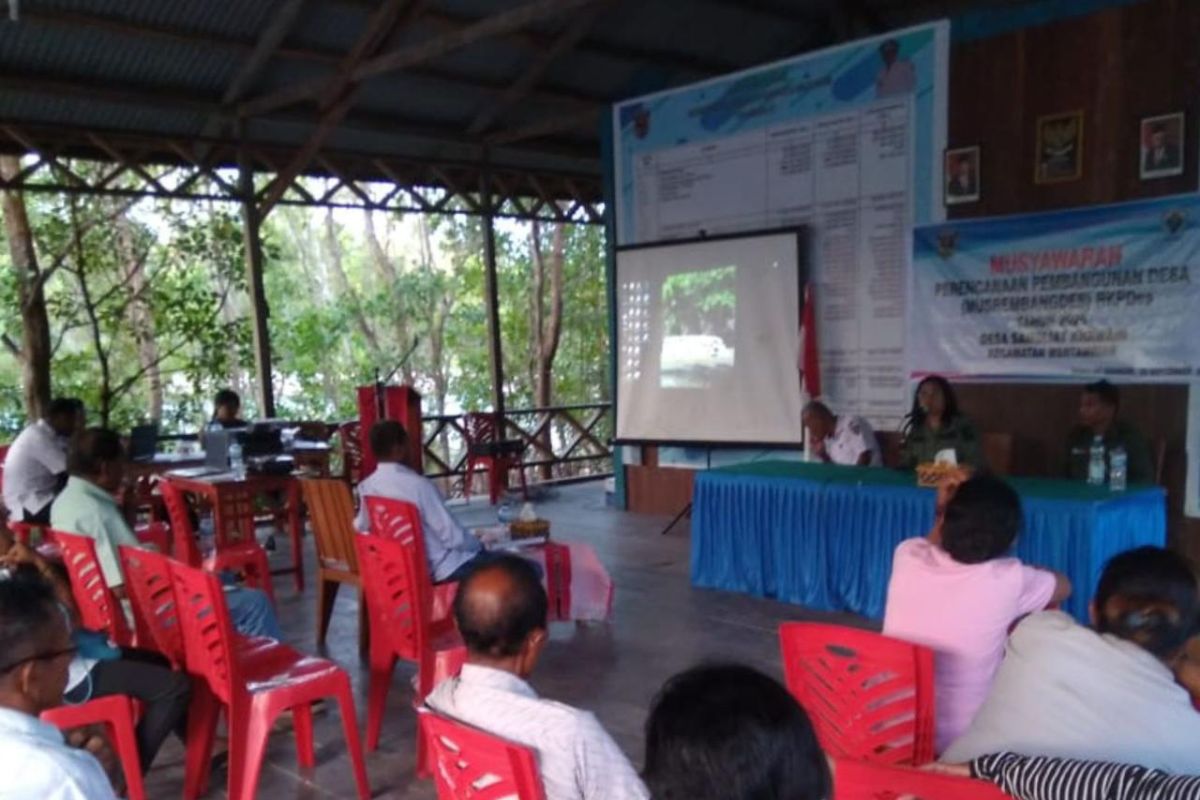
(708, 337)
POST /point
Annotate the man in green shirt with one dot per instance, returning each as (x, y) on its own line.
(1098, 407)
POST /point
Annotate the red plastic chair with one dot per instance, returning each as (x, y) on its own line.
(396, 519)
(23, 531)
(99, 609)
(470, 764)
(245, 557)
(155, 614)
(870, 697)
(252, 694)
(858, 780)
(399, 605)
(486, 450)
(116, 713)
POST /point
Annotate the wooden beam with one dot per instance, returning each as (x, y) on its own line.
(269, 41)
(524, 84)
(499, 24)
(560, 123)
(339, 93)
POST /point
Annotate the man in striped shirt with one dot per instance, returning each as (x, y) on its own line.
(500, 609)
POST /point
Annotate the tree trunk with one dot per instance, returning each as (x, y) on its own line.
(333, 251)
(34, 351)
(93, 315)
(547, 327)
(141, 318)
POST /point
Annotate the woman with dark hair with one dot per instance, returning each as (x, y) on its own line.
(1105, 693)
(936, 424)
(728, 732)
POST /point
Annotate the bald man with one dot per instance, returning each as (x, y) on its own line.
(500, 609)
(840, 440)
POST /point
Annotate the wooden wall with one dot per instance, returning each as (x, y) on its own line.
(1118, 66)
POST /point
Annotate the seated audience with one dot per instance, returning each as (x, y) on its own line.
(1041, 778)
(98, 669)
(840, 440)
(501, 609)
(959, 591)
(452, 551)
(1098, 407)
(1105, 693)
(728, 732)
(88, 507)
(36, 761)
(227, 408)
(935, 424)
(35, 468)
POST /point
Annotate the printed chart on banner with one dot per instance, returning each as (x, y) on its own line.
(845, 143)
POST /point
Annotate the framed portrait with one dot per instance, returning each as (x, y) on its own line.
(1059, 148)
(962, 176)
(1160, 154)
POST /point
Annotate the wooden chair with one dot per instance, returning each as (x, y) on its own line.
(997, 449)
(331, 510)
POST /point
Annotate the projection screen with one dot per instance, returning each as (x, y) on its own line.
(708, 338)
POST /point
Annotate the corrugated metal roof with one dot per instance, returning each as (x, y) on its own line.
(161, 67)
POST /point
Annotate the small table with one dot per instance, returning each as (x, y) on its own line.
(231, 500)
(822, 536)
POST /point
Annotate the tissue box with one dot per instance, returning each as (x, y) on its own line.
(529, 529)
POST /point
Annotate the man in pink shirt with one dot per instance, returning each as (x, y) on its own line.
(958, 591)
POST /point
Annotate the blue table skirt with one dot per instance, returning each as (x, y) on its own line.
(828, 545)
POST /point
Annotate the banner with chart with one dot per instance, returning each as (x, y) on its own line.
(846, 142)
(1105, 291)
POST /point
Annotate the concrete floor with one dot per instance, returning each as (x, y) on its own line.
(660, 626)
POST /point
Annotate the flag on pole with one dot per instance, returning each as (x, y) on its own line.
(809, 362)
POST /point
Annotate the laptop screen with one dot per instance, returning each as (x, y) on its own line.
(143, 442)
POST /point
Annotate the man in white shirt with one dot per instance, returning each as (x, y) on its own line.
(35, 761)
(840, 440)
(450, 549)
(35, 468)
(500, 610)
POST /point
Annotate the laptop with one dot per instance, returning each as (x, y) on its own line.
(143, 443)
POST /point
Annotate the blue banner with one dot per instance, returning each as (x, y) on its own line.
(1103, 291)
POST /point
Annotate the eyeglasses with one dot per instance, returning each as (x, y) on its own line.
(48, 656)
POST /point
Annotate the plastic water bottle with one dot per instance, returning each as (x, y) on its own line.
(236, 465)
(505, 513)
(1096, 465)
(1117, 464)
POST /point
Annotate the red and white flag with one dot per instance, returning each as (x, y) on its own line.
(809, 362)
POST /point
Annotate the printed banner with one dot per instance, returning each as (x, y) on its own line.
(1106, 291)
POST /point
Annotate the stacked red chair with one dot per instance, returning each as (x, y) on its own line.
(858, 780)
(244, 556)
(118, 717)
(486, 450)
(399, 604)
(470, 764)
(251, 693)
(99, 609)
(870, 697)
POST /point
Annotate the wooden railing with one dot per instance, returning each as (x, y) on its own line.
(561, 444)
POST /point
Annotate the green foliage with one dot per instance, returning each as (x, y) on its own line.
(701, 302)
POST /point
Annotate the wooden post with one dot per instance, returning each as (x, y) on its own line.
(493, 299)
(251, 220)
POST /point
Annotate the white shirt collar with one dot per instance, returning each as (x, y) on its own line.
(478, 675)
(18, 723)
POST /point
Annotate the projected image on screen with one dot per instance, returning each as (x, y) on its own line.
(698, 326)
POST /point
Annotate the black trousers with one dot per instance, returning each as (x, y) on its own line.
(143, 675)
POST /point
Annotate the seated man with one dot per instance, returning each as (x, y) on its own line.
(500, 610)
(1105, 693)
(1098, 407)
(227, 408)
(36, 648)
(840, 440)
(87, 507)
(36, 466)
(451, 550)
(98, 669)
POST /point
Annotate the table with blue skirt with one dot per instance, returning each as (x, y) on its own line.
(822, 536)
